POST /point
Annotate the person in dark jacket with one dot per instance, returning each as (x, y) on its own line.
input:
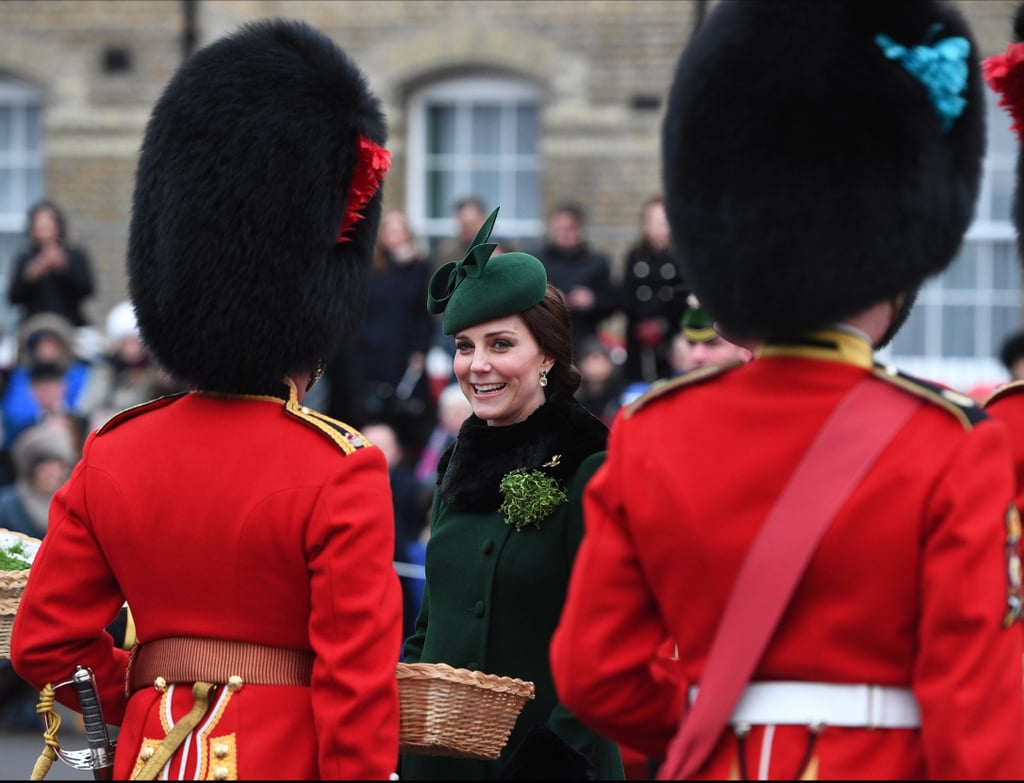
(506, 518)
(50, 275)
(653, 297)
(43, 456)
(581, 273)
(387, 360)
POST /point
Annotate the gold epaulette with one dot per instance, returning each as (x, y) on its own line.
(137, 410)
(962, 407)
(344, 436)
(1008, 389)
(662, 387)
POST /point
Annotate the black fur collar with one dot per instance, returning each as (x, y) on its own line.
(471, 470)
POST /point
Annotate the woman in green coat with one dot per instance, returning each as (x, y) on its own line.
(498, 560)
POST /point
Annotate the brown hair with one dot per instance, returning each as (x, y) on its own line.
(548, 321)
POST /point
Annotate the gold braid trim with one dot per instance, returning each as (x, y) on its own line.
(201, 693)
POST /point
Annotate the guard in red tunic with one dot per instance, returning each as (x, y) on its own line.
(251, 536)
(821, 160)
(1004, 73)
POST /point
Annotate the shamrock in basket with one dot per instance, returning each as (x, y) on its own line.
(16, 554)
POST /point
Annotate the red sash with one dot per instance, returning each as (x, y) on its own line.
(856, 432)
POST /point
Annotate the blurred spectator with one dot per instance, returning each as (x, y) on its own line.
(409, 519)
(698, 344)
(47, 380)
(582, 274)
(470, 214)
(632, 392)
(1012, 355)
(452, 409)
(602, 384)
(43, 456)
(50, 275)
(387, 360)
(653, 296)
(125, 374)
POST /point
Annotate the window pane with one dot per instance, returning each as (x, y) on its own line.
(33, 185)
(1005, 272)
(527, 195)
(1001, 139)
(962, 272)
(1005, 320)
(475, 133)
(33, 128)
(1002, 193)
(910, 339)
(958, 331)
(6, 191)
(486, 183)
(486, 129)
(6, 128)
(440, 193)
(440, 130)
(526, 129)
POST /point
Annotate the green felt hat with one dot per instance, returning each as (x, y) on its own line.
(698, 326)
(480, 288)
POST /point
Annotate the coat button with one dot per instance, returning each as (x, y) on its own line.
(147, 753)
(220, 773)
(487, 547)
(235, 683)
(220, 750)
(478, 609)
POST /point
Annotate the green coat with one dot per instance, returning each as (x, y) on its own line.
(493, 595)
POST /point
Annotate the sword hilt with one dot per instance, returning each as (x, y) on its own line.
(95, 728)
(99, 757)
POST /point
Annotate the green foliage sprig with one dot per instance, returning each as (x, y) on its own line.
(13, 557)
(529, 497)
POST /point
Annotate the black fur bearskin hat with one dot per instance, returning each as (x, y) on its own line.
(256, 206)
(821, 156)
(1005, 75)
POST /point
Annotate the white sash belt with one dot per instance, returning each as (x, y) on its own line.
(809, 703)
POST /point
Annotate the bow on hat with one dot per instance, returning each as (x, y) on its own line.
(450, 276)
(481, 288)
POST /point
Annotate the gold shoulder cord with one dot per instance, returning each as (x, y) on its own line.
(52, 718)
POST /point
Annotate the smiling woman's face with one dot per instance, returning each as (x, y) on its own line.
(498, 365)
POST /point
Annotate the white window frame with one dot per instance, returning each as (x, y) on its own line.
(25, 158)
(465, 92)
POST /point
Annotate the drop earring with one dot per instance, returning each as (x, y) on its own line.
(543, 378)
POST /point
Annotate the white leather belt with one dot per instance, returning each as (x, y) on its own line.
(809, 703)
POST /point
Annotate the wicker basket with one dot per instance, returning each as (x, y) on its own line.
(12, 585)
(458, 712)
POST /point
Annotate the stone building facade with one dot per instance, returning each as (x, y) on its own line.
(601, 69)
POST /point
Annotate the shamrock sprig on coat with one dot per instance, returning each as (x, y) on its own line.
(529, 497)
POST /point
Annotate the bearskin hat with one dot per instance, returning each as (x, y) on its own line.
(820, 156)
(256, 205)
(1005, 75)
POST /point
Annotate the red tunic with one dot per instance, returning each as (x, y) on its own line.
(1006, 403)
(908, 588)
(231, 518)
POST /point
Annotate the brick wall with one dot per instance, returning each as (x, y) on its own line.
(605, 67)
